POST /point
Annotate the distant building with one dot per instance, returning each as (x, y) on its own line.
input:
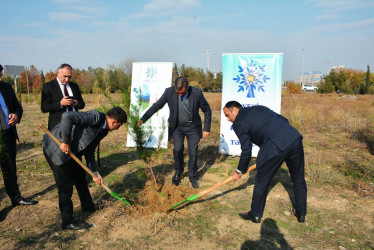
(310, 77)
(338, 68)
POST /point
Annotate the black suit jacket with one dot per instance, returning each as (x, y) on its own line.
(12, 104)
(196, 101)
(51, 97)
(265, 128)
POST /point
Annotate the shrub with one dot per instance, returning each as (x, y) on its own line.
(371, 90)
(293, 88)
(345, 88)
(326, 87)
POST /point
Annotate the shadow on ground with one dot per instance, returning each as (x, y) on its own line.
(366, 136)
(206, 158)
(51, 236)
(111, 162)
(4, 212)
(271, 238)
(21, 147)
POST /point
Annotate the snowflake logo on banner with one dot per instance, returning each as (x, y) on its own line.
(250, 78)
(151, 72)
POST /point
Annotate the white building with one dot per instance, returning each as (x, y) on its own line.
(310, 77)
(338, 68)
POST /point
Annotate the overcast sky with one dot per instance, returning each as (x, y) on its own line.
(97, 33)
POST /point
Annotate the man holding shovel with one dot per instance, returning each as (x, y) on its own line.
(80, 133)
(279, 142)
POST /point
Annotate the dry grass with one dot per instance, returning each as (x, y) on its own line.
(214, 100)
(333, 113)
(338, 135)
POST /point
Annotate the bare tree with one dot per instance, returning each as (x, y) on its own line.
(126, 65)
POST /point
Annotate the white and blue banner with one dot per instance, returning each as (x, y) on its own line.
(250, 79)
(149, 81)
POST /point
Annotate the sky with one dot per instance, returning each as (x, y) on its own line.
(313, 35)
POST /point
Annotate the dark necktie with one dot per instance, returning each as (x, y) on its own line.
(2, 119)
(67, 94)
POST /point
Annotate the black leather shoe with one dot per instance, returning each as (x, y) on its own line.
(26, 202)
(177, 178)
(76, 226)
(300, 218)
(249, 216)
(195, 184)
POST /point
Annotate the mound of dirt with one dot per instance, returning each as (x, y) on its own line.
(161, 199)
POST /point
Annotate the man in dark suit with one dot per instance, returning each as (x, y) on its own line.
(61, 95)
(184, 121)
(10, 114)
(279, 142)
(80, 133)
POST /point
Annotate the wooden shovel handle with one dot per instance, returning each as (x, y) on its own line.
(222, 183)
(75, 158)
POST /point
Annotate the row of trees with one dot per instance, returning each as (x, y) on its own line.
(348, 81)
(111, 79)
(114, 78)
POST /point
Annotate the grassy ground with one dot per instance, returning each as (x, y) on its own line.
(339, 148)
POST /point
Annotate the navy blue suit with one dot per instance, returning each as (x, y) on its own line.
(279, 142)
(193, 133)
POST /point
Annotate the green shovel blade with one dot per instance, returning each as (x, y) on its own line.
(119, 198)
(186, 200)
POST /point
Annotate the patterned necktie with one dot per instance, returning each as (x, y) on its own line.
(2, 119)
(67, 94)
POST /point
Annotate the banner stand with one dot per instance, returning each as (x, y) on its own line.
(250, 79)
(149, 81)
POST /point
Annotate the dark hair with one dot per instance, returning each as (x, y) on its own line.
(117, 113)
(65, 65)
(233, 104)
(1, 68)
(181, 82)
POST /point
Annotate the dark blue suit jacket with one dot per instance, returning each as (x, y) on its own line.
(12, 104)
(265, 128)
(196, 101)
(82, 131)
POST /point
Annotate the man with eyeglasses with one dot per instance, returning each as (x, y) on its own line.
(61, 95)
(10, 114)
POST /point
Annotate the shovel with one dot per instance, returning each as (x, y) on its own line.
(204, 192)
(84, 167)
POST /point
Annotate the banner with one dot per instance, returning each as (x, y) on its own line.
(149, 81)
(250, 79)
